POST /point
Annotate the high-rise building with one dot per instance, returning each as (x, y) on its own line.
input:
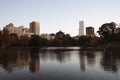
(35, 28)
(81, 28)
(89, 31)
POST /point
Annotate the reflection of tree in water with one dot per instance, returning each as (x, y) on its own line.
(86, 57)
(91, 57)
(57, 54)
(8, 60)
(61, 56)
(11, 59)
(43, 55)
(110, 61)
(34, 65)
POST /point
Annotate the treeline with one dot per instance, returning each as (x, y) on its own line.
(108, 32)
(12, 40)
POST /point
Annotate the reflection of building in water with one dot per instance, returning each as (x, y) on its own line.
(22, 60)
(87, 58)
(83, 61)
(34, 65)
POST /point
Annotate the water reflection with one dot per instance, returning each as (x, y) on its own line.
(86, 58)
(12, 59)
(34, 64)
(55, 55)
(110, 61)
(83, 61)
(40, 64)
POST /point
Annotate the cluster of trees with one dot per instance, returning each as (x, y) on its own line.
(8, 40)
(65, 40)
(89, 41)
(13, 40)
(108, 33)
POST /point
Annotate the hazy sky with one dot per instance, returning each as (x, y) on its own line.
(55, 15)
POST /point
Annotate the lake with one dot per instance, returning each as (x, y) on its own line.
(58, 63)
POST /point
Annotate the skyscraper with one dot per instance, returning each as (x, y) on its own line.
(81, 28)
(90, 31)
(35, 27)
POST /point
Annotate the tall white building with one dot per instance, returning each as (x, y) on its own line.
(81, 28)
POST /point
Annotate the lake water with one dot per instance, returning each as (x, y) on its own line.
(61, 63)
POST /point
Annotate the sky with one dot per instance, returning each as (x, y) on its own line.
(55, 15)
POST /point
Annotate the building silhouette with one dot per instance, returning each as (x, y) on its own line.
(60, 34)
(48, 36)
(20, 31)
(90, 31)
(35, 28)
(10, 28)
(81, 28)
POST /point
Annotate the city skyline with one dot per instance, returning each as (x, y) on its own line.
(34, 28)
(55, 15)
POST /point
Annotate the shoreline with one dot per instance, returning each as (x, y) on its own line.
(80, 48)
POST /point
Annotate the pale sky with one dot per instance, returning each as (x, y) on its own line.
(55, 15)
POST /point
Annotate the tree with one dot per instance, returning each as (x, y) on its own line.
(83, 40)
(24, 40)
(95, 41)
(35, 41)
(1, 38)
(107, 30)
(6, 41)
(14, 39)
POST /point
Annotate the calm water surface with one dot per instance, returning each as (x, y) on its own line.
(58, 64)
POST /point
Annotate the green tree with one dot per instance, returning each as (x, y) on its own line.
(35, 41)
(14, 39)
(83, 41)
(24, 40)
(95, 41)
(107, 30)
(1, 38)
(6, 41)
